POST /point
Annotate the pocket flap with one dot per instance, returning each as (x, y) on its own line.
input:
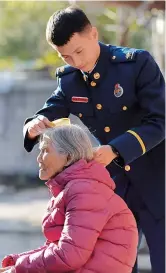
(84, 108)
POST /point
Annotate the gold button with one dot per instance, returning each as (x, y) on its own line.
(99, 106)
(84, 77)
(107, 129)
(96, 75)
(93, 84)
(124, 108)
(127, 168)
(80, 115)
(113, 57)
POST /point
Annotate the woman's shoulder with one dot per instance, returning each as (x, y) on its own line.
(80, 185)
(87, 194)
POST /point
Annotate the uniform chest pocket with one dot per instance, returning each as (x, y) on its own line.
(121, 106)
(81, 109)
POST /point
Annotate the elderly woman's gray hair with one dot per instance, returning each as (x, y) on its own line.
(71, 140)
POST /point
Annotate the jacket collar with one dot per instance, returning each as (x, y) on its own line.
(58, 183)
(80, 170)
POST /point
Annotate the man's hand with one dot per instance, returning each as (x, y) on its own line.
(37, 126)
(104, 155)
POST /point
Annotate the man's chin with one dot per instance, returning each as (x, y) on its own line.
(85, 69)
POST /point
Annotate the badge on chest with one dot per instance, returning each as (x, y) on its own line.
(118, 91)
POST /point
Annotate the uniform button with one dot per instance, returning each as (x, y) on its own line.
(124, 108)
(96, 75)
(99, 106)
(107, 129)
(93, 83)
(80, 115)
(113, 57)
(127, 168)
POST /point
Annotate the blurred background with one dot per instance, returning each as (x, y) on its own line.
(27, 79)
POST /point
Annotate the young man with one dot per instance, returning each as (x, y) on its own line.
(118, 93)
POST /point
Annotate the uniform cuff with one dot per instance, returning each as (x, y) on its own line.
(129, 145)
(119, 161)
(30, 143)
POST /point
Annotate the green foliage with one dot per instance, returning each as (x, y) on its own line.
(23, 27)
(107, 23)
(104, 21)
(140, 39)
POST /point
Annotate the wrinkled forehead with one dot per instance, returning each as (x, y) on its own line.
(44, 142)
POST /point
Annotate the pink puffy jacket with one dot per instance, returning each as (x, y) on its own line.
(88, 227)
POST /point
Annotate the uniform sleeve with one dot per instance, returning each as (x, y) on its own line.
(84, 220)
(150, 91)
(54, 108)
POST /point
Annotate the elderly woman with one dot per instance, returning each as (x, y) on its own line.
(87, 226)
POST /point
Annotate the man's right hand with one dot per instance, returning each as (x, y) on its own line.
(37, 126)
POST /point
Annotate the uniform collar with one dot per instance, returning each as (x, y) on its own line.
(87, 74)
(97, 74)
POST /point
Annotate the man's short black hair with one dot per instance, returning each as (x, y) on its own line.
(64, 23)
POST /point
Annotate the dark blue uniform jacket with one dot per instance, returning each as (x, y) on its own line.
(122, 103)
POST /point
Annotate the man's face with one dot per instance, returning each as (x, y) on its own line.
(81, 51)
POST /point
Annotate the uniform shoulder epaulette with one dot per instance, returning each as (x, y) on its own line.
(64, 70)
(123, 54)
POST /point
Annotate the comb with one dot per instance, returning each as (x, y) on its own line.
(60, 122)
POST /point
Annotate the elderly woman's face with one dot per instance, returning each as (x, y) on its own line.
(50, 162)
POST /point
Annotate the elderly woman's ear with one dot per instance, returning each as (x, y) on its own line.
(68, 161)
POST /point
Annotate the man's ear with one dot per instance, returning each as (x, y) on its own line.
(95, 34)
